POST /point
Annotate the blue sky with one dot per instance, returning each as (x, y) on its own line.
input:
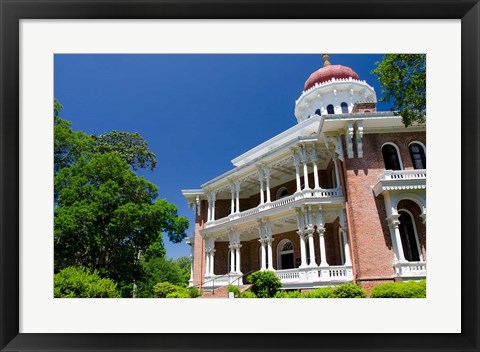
(197, 112)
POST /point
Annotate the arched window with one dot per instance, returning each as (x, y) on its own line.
(330, 109)
(285, 255)
(344, 108)
(408, 234)
(318, 112)
(418, 156)
(282, 192)
(391, 157)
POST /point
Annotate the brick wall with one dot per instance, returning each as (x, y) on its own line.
(370, 234)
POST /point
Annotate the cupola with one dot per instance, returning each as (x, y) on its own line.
(333, 90)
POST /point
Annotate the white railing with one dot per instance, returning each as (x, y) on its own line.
(314, 275)
(310, 193)
(288, 274)
(411, 268)
(336, 273)
(403, 174)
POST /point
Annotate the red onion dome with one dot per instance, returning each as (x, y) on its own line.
(329, 71)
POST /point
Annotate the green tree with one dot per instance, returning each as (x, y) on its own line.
(131, 147)
(106, 217)
(403, 80)
(81, 282)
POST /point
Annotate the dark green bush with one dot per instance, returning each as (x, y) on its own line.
(194, 292)
(348, 290)
(264, 283)
(234, 289)
(81, 282)
(410, 289)
(247, 294)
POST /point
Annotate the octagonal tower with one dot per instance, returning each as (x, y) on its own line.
(334, 89)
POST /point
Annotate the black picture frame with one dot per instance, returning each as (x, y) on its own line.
(11, 11)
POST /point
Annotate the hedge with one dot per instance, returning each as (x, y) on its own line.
(409, 289)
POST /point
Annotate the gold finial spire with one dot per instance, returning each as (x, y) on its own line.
(325, 58)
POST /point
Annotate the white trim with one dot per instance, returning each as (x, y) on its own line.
(420, 254)
(398, 154)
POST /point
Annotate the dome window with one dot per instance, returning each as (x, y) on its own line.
(330, 109)
(344, 108)
(318, 112)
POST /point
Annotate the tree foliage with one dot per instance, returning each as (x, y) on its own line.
(131, 147)
(81, 282)
(107, 217)
(265, 284)
(403, 81)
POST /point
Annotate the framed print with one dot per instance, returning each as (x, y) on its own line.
(37, 40)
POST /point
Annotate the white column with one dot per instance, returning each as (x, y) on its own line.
(270, 254)
(297, 173)
(209, 213)
(232, 259)
(214, 196)
(266, 172)
(263, 264)
(315, 167)
(303, 249)
(305, 175)
(237, 250)
(260, 178)
(232, 203)
(212, 262)
(337, 172)
(207, 263)
(237, 197)
(398, 239)
(311, 247)
(346, 248)
(323, 253)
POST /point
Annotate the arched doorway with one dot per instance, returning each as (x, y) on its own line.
(408, 234)
(285, 256)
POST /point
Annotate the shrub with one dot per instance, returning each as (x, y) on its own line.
(234, 289)
(178, 294)
(162, 289)
(410, 289)
(288, 294)
(348, 290)
(264, 283)
(81, 282)
(247, 294)
(169, 290)
(194, 292)
(322, 292)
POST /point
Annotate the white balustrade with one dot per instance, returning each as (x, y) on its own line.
(411, 268)
(402, 174)
(305, 194)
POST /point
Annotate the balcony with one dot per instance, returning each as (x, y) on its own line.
(410, 269)
(397, 180)
(282, 205)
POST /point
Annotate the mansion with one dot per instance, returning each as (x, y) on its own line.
(339, 197)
